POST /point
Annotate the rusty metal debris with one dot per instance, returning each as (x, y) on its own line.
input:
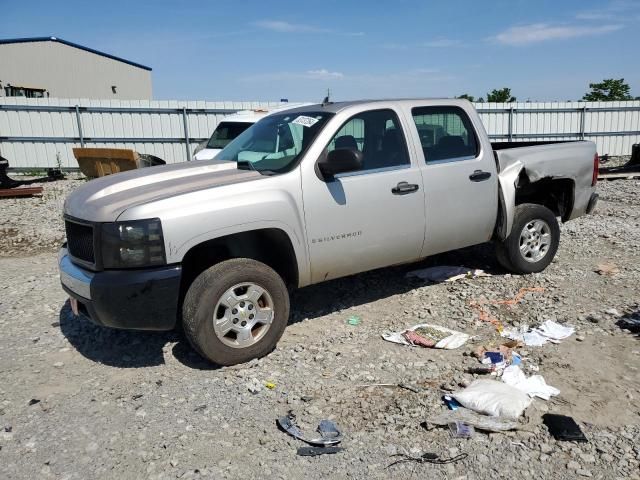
(20, 192)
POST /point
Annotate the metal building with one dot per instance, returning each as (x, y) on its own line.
(43, 67)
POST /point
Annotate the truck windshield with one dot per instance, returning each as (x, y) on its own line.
(275, 143)
(225, 132)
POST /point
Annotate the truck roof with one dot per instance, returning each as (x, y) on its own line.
(335, 107)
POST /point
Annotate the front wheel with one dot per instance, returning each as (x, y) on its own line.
(236, 311)
(533, 241)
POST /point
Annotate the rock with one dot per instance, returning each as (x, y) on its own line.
(546, 448)
(254, 386)
(573, 465)
(587, 458)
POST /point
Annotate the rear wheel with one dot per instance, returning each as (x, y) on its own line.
(533, 241)
(236, 311)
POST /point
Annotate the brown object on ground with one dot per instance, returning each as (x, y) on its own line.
(417, 339)
(20, 192)
(607, 268)
(487, 317)
(98, 162)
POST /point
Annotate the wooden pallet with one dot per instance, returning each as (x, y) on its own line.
(20, 192)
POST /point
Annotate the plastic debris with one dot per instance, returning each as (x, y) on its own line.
(515, 359)
(428, 335)
(354, 320)
(461, 430)
(554, 331)
(562, 427)
(329, 433)
(447, 273)
(549, 331)
(629, 323)
(494, 398)
(534, 386)
(451, 402)
(480, 422)
(427, 458)
(270, 385)
(315, 451)
(493, 357)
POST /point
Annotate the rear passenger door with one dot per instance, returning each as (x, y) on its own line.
(461, 189)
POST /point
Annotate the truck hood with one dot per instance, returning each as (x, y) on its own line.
(104, 199)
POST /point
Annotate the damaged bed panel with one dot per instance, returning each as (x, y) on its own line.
(526, 166)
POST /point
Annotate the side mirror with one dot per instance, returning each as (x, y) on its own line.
(340, 160)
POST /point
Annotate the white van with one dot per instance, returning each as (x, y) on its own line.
(232, 126)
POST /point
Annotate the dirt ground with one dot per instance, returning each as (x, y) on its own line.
(78, 401)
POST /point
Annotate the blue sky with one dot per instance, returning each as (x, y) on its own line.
(266, 50)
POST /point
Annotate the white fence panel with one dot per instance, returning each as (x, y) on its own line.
(37, 133)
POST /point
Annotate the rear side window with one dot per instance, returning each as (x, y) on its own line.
(378, 135)
(445, 133)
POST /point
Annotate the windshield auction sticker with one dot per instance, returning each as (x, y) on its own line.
(305, 121)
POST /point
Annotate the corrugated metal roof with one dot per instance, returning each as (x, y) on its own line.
(71, 44)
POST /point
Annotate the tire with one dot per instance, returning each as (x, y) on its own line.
(223, 330)
(535, 256)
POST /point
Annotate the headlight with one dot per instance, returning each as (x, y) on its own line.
(136, 243)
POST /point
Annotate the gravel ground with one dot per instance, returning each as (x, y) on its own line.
(78, 401)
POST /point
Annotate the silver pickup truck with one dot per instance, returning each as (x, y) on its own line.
(307, 195)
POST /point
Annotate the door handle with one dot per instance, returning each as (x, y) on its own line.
(403, 188)
(479, 176)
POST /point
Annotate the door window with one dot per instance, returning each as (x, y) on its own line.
(445, 133)
(378, 135)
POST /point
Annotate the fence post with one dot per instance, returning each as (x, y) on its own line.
(186, 133)
(79, 122)
(582, 121)
(511, 123)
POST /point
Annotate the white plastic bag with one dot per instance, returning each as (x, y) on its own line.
(494, 398)
(534, 386)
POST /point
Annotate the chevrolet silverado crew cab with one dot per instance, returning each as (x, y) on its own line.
(307, 195)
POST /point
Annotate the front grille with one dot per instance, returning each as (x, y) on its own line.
(80, 241)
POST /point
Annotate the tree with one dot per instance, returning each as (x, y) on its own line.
(502, 95)
(466, 96)
(607, 90)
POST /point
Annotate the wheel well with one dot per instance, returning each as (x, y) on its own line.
(554, 193)
(271, 246)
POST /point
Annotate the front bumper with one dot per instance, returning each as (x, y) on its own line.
(145, 299)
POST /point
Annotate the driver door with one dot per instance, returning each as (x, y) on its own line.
(370, 218)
